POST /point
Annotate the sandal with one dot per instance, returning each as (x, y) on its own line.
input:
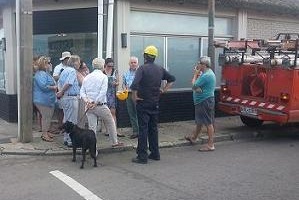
(119, 144)
(189, 138)
(207, 148)
(56, 132)
(120, 135)
(50, 135)
(46, 138)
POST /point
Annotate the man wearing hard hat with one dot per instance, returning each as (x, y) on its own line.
(146, 89)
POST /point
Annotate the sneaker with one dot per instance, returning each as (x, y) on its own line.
(69, 144)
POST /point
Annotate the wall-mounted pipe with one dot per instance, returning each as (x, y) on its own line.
(100, 27)
(109, 40)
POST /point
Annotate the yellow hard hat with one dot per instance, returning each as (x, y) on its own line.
(151, 50)
(122, 95)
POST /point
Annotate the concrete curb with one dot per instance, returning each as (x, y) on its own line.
(60, 152)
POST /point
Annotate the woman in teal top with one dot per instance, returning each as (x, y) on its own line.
(204, 82)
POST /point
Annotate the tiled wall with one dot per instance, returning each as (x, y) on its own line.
(174, 106)
(9, 107)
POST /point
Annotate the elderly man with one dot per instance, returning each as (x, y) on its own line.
(60, 67)
(93, 91)
(204, 82)
(56, 73)
(68, 93)
(128, 78)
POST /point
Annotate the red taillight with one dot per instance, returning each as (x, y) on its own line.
(284, 97)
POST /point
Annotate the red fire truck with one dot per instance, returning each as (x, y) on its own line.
(260, 79)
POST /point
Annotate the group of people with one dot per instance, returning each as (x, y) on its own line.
(81, 93)
(65, 89)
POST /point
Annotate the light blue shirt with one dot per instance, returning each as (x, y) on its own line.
(69, 76)
(42, 94)
(128, 78)
(204, 87)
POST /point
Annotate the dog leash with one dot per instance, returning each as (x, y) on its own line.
(83, 115)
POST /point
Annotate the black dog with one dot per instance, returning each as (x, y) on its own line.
(83, 138)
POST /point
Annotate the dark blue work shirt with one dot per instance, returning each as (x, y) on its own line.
(147, 81)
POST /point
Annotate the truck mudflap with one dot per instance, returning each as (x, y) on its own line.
(253, 112)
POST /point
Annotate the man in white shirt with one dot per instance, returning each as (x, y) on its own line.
(93, 91)
(56, 74)
(59, 68)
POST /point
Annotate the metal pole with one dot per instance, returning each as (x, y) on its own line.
(100, 27)
(211, 48)
(109, 29)
(24, 69)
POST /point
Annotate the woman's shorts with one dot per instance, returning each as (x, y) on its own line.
(205, 112)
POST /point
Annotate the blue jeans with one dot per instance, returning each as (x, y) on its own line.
(147, 114)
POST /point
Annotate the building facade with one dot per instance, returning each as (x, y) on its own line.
(178, 28)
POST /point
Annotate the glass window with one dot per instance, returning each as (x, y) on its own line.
(82, 44)
(150, 22)
(138, 44)
(182, 55)
(2, 67)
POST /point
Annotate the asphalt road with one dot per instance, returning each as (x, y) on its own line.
(264, 168)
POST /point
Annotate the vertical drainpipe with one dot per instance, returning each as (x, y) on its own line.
(211, 48)
(109, 29)
(100, 28)
(18, 64)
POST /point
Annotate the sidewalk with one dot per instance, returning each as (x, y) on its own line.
(170, 135)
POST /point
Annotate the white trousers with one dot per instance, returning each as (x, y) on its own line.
(70, 106)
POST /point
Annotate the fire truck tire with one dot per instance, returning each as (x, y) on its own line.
(251, 122)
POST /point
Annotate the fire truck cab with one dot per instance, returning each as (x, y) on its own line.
(260, 79)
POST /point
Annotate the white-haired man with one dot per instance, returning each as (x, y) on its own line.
(93, 91)
(204, 82)
(128, 78)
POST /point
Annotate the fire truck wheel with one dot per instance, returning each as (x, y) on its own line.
(251, 122)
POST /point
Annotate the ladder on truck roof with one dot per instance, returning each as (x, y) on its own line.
(283, 50)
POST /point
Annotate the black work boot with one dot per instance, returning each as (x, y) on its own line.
(152, 157)
(139, 161)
